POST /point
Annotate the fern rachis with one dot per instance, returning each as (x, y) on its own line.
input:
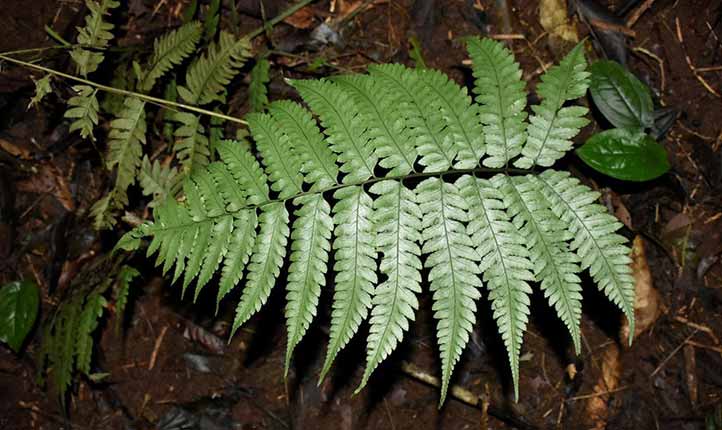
(501, 234)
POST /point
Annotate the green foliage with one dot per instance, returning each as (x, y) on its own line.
(19, 302)
(159, 181)
(354, 188)
(95, 34)
(622, 98)
(257, 90)
(83, 111)
(170, 50)
(68, 334)
(42, 89)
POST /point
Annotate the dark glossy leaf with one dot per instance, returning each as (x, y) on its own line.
(625, 154)
(622, 98)
(18, 310)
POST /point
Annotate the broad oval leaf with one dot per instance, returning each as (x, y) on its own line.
(622, 98)
(626, 154)
(18, 310)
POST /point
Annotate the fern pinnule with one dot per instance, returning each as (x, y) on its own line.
(343, 125)
(600, 249)
(397, 218)
(93, 309)
(355, 268)
(257, 89)
(245, 170)
(96, 34)
(169, 50)
(502, 99)
(192, 146)
(83, 110)
(453, 265)
(552, 126)
(158, 180)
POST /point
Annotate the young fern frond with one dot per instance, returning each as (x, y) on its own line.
(96, 34)
(83, 110)
(552, 126)
(170, 50)
(503, 234)
(500, 93)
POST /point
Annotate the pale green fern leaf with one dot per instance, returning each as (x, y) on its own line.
(239, 251)
(355, 268)
(555, 265)
(344, 126)
(460, 116)
(170, 50)
(318, 163)
(504, 262)
(309, 259)
(601, 250)
(266, 261)
(245, 170)
(208, 76)
(158, 180)
(500, 92)
(257, 89)
(552, 126)
(83, 110)
(392, 142)
(397, 218)
(96, 34)
(424, 119)
(453, 265)
(192, 146)
(127, 134)
(42, 89)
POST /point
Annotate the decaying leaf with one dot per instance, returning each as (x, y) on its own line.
(597, 407)
(647, 302)
(554, 19)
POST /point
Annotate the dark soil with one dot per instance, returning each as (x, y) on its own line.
(52, 177)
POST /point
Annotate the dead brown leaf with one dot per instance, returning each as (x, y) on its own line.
(553, 18)
(14, 150)
(49, 180)
(597, 406)
(303, 18)
(647, 302)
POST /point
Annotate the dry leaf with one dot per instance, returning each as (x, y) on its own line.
(597, 406)
(690, 371)
(647, 302)
(302, 19)
(553, 18)
(14, 150)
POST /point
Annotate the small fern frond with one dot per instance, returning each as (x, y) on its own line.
(257, 89)
(460, 115)
(266, 261)
(125, 278)
(96, 33)
(170, 50)
(504, 262)
(88, 321)
(500, 92)
(601, 250)
(318, 163)
(393, 144)
(209, 75)
(343, 125)
(282, 163)
(310, 245)
(453, 266)
(555, 266)
(355, 268)
(42, 89)
(397, 218)
(83, 110)
(158, 180)
(422, 115)
(552, 126)
(127, 134)
(192, 147)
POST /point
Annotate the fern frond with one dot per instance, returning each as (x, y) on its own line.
(552, 126)
(42, 89)
(127, 134)
(344, 126)
(257, 90)
(309, 258)
(460, 115)
(397, 218)
(158, 180)
(555, 266)
(318, 163)
(208, 76)
(125, 278)
(453, 266)
(601, 250)
(169, 50)
(282, 164)
(266, 261)
(95, 33)
(355, 268)
(88, 321)
(392, 142)
(192, 147)
(423, 117)
(239, 252)
(83, 110)
(245, 170)
(500, 92)
(504, 262)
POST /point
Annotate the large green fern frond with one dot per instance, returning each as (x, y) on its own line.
(500, 92)
(552, 126)
(169, 50)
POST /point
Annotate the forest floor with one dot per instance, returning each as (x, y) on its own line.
(167, 364)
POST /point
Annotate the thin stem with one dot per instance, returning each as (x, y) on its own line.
(280, 17)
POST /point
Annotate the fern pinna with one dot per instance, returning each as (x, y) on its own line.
(390, 187)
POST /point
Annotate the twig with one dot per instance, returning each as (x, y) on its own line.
(158, 342)
(603, 25)
(699, 327)
(634, 17)
(671, 354)
(692, 68)
(465, 396)
(600, 394)
(280, 17)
